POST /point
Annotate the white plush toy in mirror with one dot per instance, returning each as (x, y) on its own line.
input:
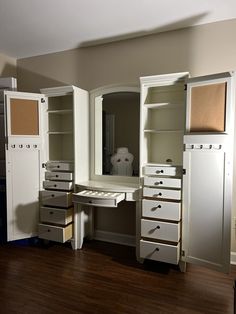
(122, 162)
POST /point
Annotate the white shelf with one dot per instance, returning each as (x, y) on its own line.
(63, 111)
(58, 133)
(162, 131)
(163, 105)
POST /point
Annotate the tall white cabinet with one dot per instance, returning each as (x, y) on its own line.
(47, 153)
(186, 205)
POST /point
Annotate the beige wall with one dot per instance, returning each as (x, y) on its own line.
(7, 66)
(200, 50)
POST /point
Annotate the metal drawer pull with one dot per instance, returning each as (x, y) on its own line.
(58, 166)
(55, 185)
(156, 207)
(160, 171)
(158, 182)
(52, 195)
(159, 194)
(13, 146)
(158, 227)
(157, 249)
(49, 230)
(51, 213)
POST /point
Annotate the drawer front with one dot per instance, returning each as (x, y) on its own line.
(162, 171)
(160, 252)
(59, 166)
(162, 193)
(58, 185)
(56, 198)
(60, 176)
(56, 215)
(161, 210)
(162, 182)
(160, 230)
(55, 233)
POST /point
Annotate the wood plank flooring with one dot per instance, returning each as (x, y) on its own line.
(105, 278)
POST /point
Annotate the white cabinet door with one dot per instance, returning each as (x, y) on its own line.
(206, 210)
(207, 183)
(23, 162)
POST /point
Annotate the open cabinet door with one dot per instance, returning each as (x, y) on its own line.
(23, 129)
(207, 182)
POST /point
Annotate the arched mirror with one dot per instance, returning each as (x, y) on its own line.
(115, 113)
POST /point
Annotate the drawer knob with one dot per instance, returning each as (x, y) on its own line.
(58, 166)
(156, 207)
(52, 195)
(160, 171)
(51, 213)
(157, 249)
(57, 175)
(158, 182)
(55, 185)
(49, 230)
(158, 227)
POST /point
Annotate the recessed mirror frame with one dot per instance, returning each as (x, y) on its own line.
(96, 134)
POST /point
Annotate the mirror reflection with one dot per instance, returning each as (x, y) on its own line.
(120, 134)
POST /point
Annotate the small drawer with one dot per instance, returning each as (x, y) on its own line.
(160, 230)
(58, 176)
(162, 193)
(98, 198)
(162, 171)
(59, 166)
(163, 182)
(56, 215)
(58, 185)
(55, 233)
(56, 198)
(160, 252)
(161, 210)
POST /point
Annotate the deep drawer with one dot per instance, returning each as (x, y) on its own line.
(162, 171)
(162, 182)
(56, 198)
(162, 193)
(59, 166)
(60, 176)
(160, 252)
(161, 210)
(160, 230)
(56, 215)
(55, 233)
(58, 185)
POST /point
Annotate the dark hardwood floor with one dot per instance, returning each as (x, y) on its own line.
(105, 278)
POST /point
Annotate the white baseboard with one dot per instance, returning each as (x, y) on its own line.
(112, 237)
(233, 258)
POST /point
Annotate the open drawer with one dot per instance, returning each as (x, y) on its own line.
(98, 198)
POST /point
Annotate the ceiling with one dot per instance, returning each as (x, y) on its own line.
(36, 27)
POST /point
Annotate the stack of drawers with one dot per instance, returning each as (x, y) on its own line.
(56, 211)
(161, 214)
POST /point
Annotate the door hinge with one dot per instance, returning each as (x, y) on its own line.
(43, 100)
(184, 171)
(43, 165)
(182, 253)
(185, 86)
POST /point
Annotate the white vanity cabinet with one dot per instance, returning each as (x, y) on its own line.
(186, 145)
(47, 152)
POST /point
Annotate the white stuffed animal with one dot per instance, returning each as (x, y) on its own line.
(122, 162)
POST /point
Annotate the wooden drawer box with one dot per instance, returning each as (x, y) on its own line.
(160, 252)
(55, 233)
(162, 170)
(59, 166)
(160, 230)
(161, 210)
(163, 182)
(58, 185)
(162, 193)
(56, 215)
(56, 198)
(60, 176)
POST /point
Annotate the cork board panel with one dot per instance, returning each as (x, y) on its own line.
(24, 117)
(208, 107)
